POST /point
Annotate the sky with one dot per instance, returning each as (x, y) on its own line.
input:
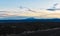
(40, 4)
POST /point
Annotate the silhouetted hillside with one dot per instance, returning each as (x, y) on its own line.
(19, 26)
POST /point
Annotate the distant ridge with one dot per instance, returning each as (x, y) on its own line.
(32, 20)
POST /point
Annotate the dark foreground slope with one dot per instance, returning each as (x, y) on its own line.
(40, 27)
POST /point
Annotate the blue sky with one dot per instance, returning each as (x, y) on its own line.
(27, 3)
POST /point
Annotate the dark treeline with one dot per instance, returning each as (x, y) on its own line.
(20, 27)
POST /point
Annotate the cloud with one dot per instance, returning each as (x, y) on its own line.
(37, 14)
